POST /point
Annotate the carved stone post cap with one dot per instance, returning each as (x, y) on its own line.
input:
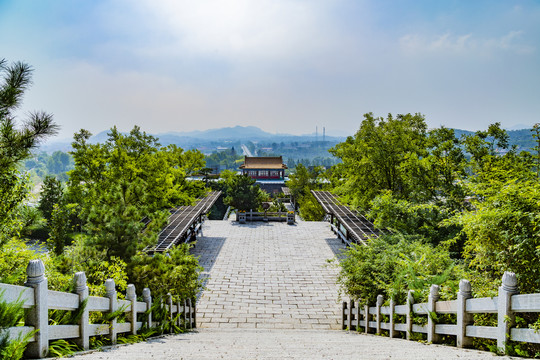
(146, 294)
(465, 287)
(80, 281)
(410, 296)
(380, 300)
(434, 290)
(35, 271)
(130, 293)
(110, 287)
(509, 281)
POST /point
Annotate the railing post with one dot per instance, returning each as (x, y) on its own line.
(380, 301)
(110, 288)
(169, 303)
(366, 310)
(38, 316)
(358, 315)
(392, 306)
(410, 302)
(505, 317)
(186, 312)
(463, 318)
(84, 330)
(147, 297)
(343, 315)
(434, 296)
(193, 313)
(178, 312)
(132, 296)
(350, 315)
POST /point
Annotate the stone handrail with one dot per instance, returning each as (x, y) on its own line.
(243, 216)
(506, 305)
(39, 299)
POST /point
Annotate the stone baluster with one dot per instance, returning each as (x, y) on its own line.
(410, 303)
(110, 289)
(505, 316)
(380, 301)
(147, 297)
(191, 314)
(170, 304)
(132, 296)
(463, 317)
(392, 325)
(38, 316)
(434, 296)
(178, 312)
(350, 315)
(366, 317)
(84, 323)
(344, 307)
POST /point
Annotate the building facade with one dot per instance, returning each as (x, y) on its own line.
(264, 168)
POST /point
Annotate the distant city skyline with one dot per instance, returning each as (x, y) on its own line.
(283, 66)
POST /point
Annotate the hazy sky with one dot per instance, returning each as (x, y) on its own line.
(285, 66)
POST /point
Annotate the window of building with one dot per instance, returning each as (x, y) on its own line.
(263, 172)
(252, 172)
(274, 173)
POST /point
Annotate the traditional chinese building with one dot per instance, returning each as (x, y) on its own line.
(264, 168)
(268, 171)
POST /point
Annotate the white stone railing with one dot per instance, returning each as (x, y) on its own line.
(506, 306)
(39, 299)
(243, 216)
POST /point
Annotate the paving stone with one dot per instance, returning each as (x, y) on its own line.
(271, 272)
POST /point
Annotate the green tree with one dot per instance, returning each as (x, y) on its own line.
(243, 194)
(52, 193)
(381, 156)
(502, 232)
(16, 143)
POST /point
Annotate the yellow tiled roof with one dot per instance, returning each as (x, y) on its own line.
(267, 162)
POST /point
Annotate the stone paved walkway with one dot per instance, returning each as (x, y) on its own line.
(268, 275)
(283, 344)
(270, 296)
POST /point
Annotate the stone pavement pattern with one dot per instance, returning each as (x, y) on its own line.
(283, 344)
(271, 296)
(268, 275)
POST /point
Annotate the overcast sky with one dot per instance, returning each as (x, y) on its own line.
(285, 66)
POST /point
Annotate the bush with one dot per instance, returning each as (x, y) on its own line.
(393, 264)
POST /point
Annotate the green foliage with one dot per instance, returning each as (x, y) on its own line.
(408, 218)
(300, 183)
(12, 314)
(51, 194)
(392, 265)
(60, 348)
(126, 179)
(16, 144)
(503, 232)
(242, 193)
(60, 226)
(176, 272)
(310, 209)
(14, 257)
(98, 267)
(381, 156)
(227, 159)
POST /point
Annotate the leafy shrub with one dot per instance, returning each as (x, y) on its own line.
(393, 264)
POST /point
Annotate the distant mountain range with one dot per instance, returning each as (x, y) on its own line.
(194, 138)
(522, 138)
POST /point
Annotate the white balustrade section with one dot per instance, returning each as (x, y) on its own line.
(407, 318)
(39, 300)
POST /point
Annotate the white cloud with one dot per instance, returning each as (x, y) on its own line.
(463, 44)
(240, 29)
